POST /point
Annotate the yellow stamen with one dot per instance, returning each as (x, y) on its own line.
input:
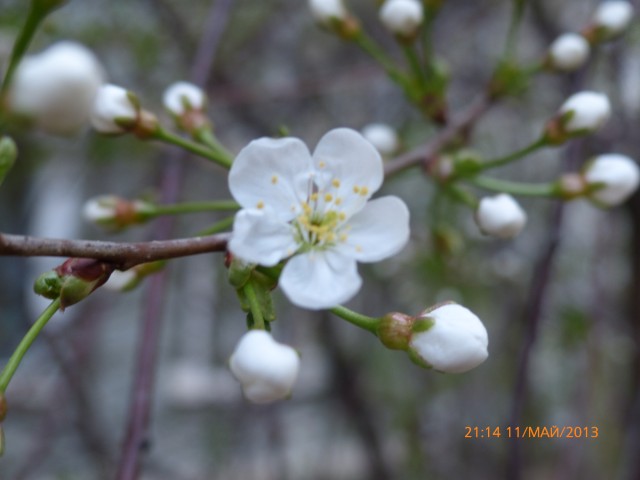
(335, 182)
(274, 179)
(338, 201)
(328, 197)
(364, 191)
(356, 189)
(322, 164)
(260, 204)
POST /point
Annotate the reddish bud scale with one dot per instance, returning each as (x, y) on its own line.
(3, 406)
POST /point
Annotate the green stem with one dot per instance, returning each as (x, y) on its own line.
(256, 311)
(370, 47)
(515, 188)
(217, 227)
(363, 321)
(14, 362)
(414, 63)
(193, 147)
(514, 26)
(194, 207)
(38, 11)
(498, 162)
(207, 137)
(461, 195)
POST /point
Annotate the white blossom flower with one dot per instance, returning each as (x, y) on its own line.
(402, 17)
(381, 136)
(616, 175)
(266, 369)
(585, 112)
(182, 97)
(325, 11)
(569, 52)
(500, 216)
(314, 209)
(112, 106)
(454, 340)
(57, 86)
(614, 16)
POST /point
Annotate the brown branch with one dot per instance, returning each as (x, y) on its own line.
(425, 154)
(123, 255)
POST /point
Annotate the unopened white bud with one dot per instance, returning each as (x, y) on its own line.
(500, 216)
(613, 16)
(614, 177)
(182, 97)
(381, 136)
(569, 52)
(120, 281)
(57, 87)
(266, 369)
(326, 11)
(113, 107)
(402, 17)
(450, 339)
(114, 212)
(585, 112)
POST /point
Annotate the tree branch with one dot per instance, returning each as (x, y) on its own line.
(123, 255)
(426, 153)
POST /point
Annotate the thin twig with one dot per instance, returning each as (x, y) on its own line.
(124, 255)
(426, 153)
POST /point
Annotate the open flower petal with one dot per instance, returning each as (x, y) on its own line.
(272, 173)
(378, 231)
(320, 279)
(259, 236)
(348, 167)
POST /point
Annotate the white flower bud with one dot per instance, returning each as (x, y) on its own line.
(614, 16)
(451, 339)
(113, 106)
(616, 175)
(402, 17)
(57, 86)
(326, 11)
(500, 216)
(569, 52)
(120, 281)
(266, 369)
(111, 211)
(182, 97)
(585, 112)
(381, 136)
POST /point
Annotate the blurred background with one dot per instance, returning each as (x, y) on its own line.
(561, 302)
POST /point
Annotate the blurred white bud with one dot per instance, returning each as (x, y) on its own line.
(585, 112)
(569, 52)
(500, 216)
(114, 109)
(614, 16)
(120, 281)
(113, 212)
(57, 87)
(616, 178)
(266, 369)
(402, 17)
(381, 136)
(450, 338)
(182, 97)
(326, 11)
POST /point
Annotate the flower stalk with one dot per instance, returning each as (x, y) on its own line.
(20, 351)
